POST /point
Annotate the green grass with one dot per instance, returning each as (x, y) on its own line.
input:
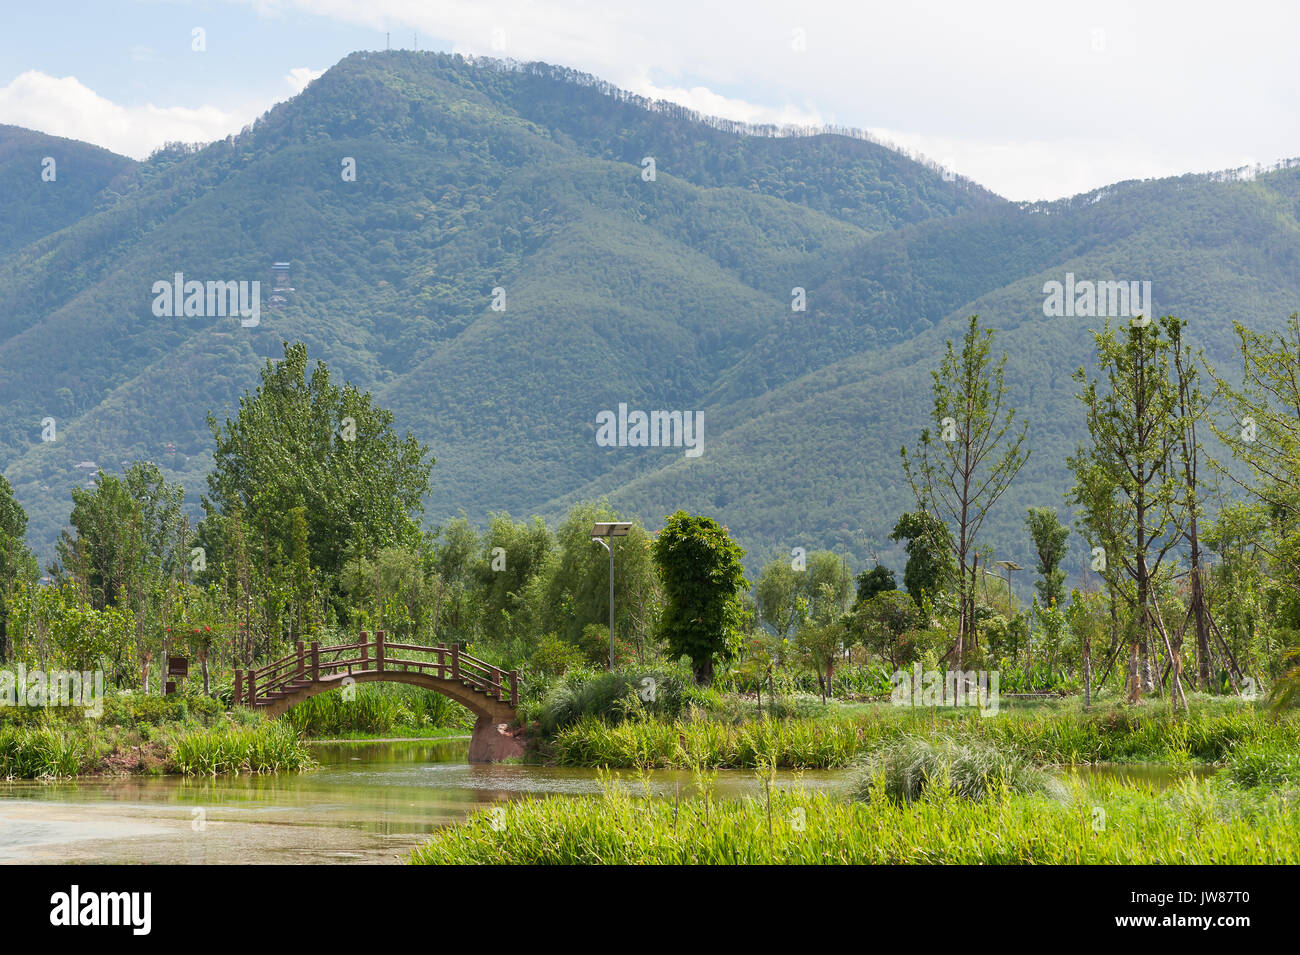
(41, 752)
(1108, 823)
(1265, 764)
(1061, 733)
(58, 749)
(267, 747)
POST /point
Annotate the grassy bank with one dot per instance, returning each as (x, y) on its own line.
(1062, 733)
(139, 735)
(1194, 823)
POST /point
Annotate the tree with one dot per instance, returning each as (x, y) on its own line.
(826, 585)
(775, 595)
(823, 579)
(874, 581)
(960, 476)
(819, 642)
(929, 568)
(103, 551)
(305, 442)
(576, 593)
(1049, 536)
(1265, 435)
(703, 576)
(17, 563)
(1192, 407)
(883, 623)
(1127, 478)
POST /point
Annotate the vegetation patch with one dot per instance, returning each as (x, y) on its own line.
(907, 769)
(1195, 823)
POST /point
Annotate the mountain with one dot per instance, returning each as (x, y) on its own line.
(477, 182)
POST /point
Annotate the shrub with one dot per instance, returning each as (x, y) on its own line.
(908, 769)
(657, 692)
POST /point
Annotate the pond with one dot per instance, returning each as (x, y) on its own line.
(367, 803)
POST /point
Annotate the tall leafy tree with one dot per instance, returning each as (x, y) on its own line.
(1192, 408)
(930, 567)
(961, 471)
(703, 577)
(1049, 536)
(1264, 434)
(775, 594)
(17, 563)
(302, 441)
(577, 591)
(874, 581)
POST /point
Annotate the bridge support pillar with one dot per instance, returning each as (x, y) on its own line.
(493, 741)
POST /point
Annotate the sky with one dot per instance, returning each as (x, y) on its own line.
(1033, 100)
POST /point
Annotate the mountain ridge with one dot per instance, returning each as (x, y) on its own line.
(673, 293)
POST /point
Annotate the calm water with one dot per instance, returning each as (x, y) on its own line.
(368, 803)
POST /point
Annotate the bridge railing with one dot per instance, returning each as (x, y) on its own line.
(312, 663)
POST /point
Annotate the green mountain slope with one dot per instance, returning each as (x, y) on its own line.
(672, 294)
(47, 183)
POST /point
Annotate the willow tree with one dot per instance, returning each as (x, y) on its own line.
(1129, 473)
(959, 474)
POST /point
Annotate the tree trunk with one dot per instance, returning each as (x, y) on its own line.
(1202, 628)
(1087, 671)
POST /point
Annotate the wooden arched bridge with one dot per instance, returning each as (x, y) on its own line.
(489, 692)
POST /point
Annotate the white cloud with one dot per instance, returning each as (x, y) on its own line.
(1032, 100)
(706, 101)
(64, 106)
(300, 76)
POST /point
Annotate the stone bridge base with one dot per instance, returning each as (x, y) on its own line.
(493, 741)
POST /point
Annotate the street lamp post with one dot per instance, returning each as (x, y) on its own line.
(600, 531)
(1009, 566)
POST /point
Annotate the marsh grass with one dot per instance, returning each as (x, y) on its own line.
(1061, 734)
(41, 752)
(1142, 826)
(1270, 764)
(911, 768)
(264, 748)
(378, 709)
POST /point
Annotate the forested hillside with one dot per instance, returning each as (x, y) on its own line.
(670, 291)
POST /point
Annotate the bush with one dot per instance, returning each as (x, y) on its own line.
(908, 769)
(555, 656)
(132, 709)
(614, 697)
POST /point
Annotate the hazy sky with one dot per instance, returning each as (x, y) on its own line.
(1034, 100)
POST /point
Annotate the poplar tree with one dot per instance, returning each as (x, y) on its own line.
(1049, 536)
